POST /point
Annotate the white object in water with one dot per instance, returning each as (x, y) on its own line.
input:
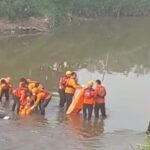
(6, 118)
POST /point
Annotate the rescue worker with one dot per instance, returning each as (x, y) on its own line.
(88, 100)
(20, 95)
(4, 90)
(32, 84)
(70, 89)
(42, 98)
(8, 81)
(62, 86)
(100, 93)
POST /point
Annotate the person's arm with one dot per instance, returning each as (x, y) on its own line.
(38, 99)
(49, 95)
(75, 85)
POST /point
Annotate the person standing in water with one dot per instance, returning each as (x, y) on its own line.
(100, 93)
(62, 86)
(88, 100)
(71, 86)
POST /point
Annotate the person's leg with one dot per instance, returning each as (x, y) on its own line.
(84, 111)
(90, 110)
(7, 94)
(42, 108)
(14, 103)
(96, 110)
(63, 98)
(103, 112)
(69, 98)
(1, 95)
(18, 105)
(44, 104)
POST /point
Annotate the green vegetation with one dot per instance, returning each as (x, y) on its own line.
(57, 9)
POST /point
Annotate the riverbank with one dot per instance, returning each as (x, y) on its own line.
(28, 26)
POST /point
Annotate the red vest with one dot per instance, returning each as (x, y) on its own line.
(62, 82)
(89, 96)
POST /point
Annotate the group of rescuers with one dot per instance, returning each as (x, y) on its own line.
(31, 96)
(93, 98)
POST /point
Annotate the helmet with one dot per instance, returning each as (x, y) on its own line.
(90, 83)
(68, 72)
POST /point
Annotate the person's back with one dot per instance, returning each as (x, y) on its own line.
(100, 93)
(89, 96)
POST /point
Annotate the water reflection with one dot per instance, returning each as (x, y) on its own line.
(32, 122)
(106, 46)
(86, 129)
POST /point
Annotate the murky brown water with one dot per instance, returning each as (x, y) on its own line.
(115, 51)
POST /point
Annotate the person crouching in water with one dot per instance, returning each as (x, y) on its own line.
(42, 98)
(70, 89)
(100, 93)
(62, 86)
(20, 94)
(88, 100)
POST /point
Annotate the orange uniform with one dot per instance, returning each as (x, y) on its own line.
(31, 86)
(100, 94)
(21, 93)
(89, 94)
(42, 95)
(71, 86)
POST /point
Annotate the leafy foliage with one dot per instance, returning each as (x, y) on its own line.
(64, 8)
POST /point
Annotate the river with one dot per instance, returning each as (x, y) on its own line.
(114, 51)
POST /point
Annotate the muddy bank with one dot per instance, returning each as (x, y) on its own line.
(25, 26)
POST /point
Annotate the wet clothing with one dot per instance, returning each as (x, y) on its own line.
(87, 111)
(88, 103)
(100, 94)
(99, 107)
(62, 86)
(43, 104)
(70, 89)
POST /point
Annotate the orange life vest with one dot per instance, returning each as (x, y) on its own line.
(71, 86)
(100, 94)
(89, 96)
